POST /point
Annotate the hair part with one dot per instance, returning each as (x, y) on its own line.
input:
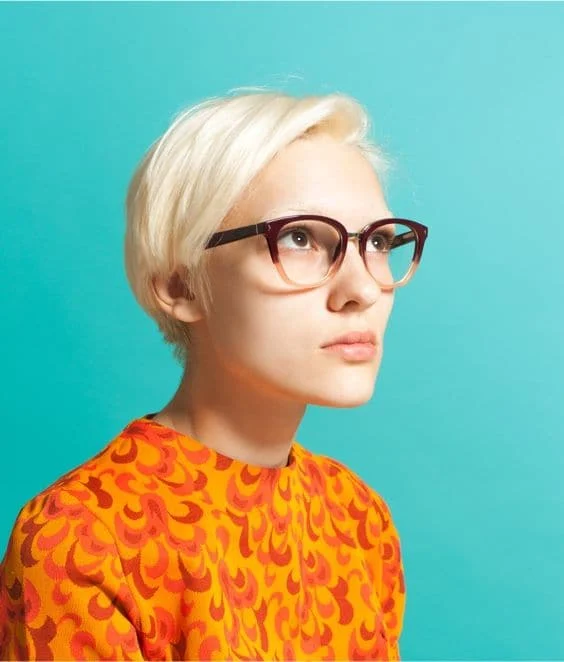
(192, 176)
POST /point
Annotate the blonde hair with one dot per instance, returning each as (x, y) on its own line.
(191, 177)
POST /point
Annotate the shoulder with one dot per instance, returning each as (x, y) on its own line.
(100, 486)
(52, 522)
(60, 558)
(71, 524)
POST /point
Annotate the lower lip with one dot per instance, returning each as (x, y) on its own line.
(354, 351)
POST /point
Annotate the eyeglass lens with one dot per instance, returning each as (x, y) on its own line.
(307, 249)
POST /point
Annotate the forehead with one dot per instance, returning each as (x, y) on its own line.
(316, 175)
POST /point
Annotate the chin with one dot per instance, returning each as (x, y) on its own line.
(341, 398)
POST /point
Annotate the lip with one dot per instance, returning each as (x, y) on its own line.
(358, 351)
(353, 338)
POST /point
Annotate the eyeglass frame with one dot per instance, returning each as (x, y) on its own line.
(271, 229)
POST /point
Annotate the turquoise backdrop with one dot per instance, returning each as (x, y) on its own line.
(464, 437)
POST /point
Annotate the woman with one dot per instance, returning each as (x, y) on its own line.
(259, 239)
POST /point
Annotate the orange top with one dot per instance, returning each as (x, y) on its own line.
(162, 548)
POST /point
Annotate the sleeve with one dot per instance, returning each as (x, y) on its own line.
(63, 593)
(393, 598)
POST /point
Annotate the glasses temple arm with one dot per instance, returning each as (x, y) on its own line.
(404, 238)
(227, 236)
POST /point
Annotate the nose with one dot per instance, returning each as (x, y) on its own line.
(353, 281)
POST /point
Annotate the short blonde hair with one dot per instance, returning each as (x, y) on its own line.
(192, 175)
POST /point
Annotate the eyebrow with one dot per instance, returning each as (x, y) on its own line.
(312, 209)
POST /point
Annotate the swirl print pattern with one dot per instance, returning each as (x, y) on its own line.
(160, 548)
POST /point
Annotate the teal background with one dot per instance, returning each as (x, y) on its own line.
(464, 436)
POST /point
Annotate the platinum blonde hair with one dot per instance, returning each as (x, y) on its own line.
(192, 175)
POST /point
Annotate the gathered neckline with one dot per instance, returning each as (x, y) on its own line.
(220, 459)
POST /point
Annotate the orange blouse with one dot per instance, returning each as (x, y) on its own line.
(160, 548)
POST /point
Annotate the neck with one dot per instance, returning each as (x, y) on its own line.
(247, 422)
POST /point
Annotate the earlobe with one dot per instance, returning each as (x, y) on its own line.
(176, 299)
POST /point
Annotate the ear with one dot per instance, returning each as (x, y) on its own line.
(176, 299)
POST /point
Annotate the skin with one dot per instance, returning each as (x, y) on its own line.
(256, 361)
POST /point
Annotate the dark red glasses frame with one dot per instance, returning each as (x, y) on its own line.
(271, 229)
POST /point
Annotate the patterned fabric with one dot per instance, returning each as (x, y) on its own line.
(160, 548)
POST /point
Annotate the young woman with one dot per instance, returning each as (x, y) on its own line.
(260, 241)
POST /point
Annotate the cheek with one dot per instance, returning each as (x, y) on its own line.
(386, 311)
(381, 315)
(253, 315)
(256, 328)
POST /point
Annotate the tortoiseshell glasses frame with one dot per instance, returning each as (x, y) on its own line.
(271, 229)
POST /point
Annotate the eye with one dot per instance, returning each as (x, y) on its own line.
(381, 241)
(296, 237)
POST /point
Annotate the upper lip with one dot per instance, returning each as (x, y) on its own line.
(353, 337)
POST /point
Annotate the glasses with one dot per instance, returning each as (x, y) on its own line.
(308, 249)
